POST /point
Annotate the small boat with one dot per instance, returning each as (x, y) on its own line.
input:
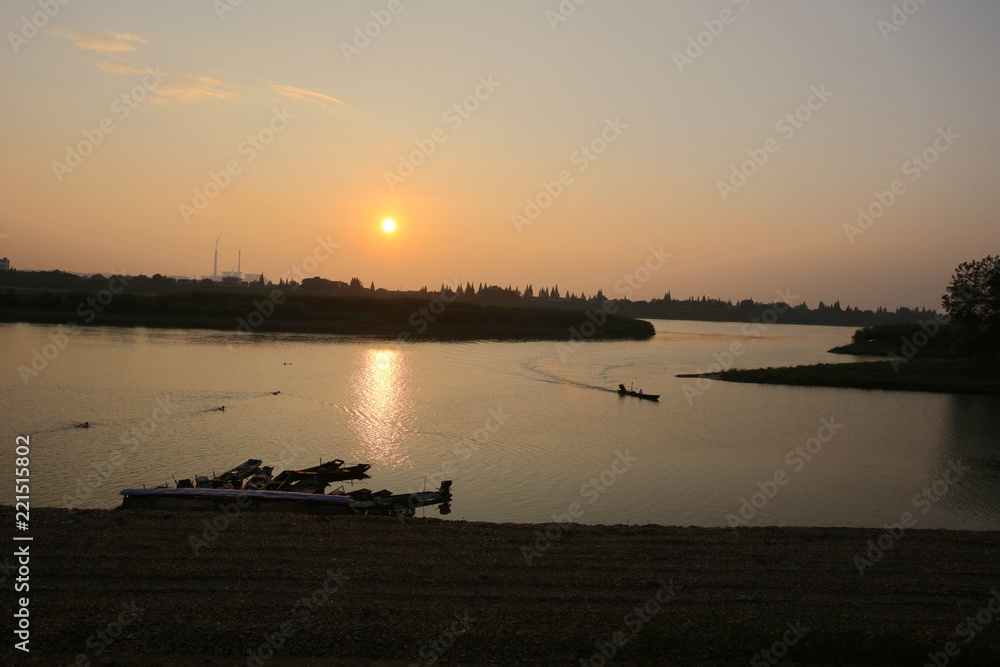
(260, 479)
(317, 478)
(383, 502)
(622, 391)
(220, 499)
(236, 476)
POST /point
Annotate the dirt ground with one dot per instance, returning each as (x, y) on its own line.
(113, 587)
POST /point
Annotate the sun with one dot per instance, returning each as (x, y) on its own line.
(389, 225)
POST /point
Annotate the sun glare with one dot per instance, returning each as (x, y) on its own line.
(389, 226)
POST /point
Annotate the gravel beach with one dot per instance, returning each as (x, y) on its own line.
(149, 588)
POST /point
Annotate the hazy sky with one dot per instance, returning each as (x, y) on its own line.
(100, 159)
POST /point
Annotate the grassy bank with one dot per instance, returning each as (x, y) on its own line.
(956, 376)
(406, 318)
(687, 596)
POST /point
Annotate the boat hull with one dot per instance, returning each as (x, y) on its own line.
(645, 397)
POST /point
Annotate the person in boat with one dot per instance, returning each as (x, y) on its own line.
(640, 392)
(621, 387)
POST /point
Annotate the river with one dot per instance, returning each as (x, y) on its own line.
(528, 431)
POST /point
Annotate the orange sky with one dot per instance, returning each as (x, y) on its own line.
(311, 128)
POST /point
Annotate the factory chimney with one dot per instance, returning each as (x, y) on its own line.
(239, 261)
(215, 266)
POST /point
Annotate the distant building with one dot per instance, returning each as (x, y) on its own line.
(4, 264)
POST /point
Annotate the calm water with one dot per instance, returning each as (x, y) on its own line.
(550, 432)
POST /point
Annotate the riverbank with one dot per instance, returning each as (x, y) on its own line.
(397, 319)
(954, 376)
(372, 589)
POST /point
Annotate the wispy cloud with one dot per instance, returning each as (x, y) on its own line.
(301, 93)
(187, 87)
(179, 86)
(100, 41)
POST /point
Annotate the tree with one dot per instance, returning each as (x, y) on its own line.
(972, 302)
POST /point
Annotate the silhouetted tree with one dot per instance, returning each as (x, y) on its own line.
(972, 302)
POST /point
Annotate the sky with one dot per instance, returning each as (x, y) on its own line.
(719, 147)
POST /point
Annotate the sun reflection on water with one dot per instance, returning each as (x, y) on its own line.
(382, 405)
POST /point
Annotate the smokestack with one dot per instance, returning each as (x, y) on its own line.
(215, 266)
(239, 261)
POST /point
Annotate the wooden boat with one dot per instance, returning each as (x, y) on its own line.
(236, 476)
(622, 391)
(317, 478)
(364, 501)
(250, 500)
(244, 501)
(260, 479)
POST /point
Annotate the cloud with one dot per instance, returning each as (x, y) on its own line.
(187, 87)
(100, 41)
(301, 93)
(178, 86)
(120, 68)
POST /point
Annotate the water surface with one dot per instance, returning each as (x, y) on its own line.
(525, 430)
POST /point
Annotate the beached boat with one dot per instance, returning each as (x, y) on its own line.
(234, 500)
(260, 479)
(317, 478)
(364, 501)
(251, 500)
(622, 391)
(236, 476)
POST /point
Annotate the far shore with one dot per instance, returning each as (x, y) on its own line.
(954, 376)
(403, 319)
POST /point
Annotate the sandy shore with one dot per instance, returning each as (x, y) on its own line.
(152, 588)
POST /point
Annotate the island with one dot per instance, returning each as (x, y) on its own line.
(434, 317)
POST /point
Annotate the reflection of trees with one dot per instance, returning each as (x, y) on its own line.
(971, 435)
